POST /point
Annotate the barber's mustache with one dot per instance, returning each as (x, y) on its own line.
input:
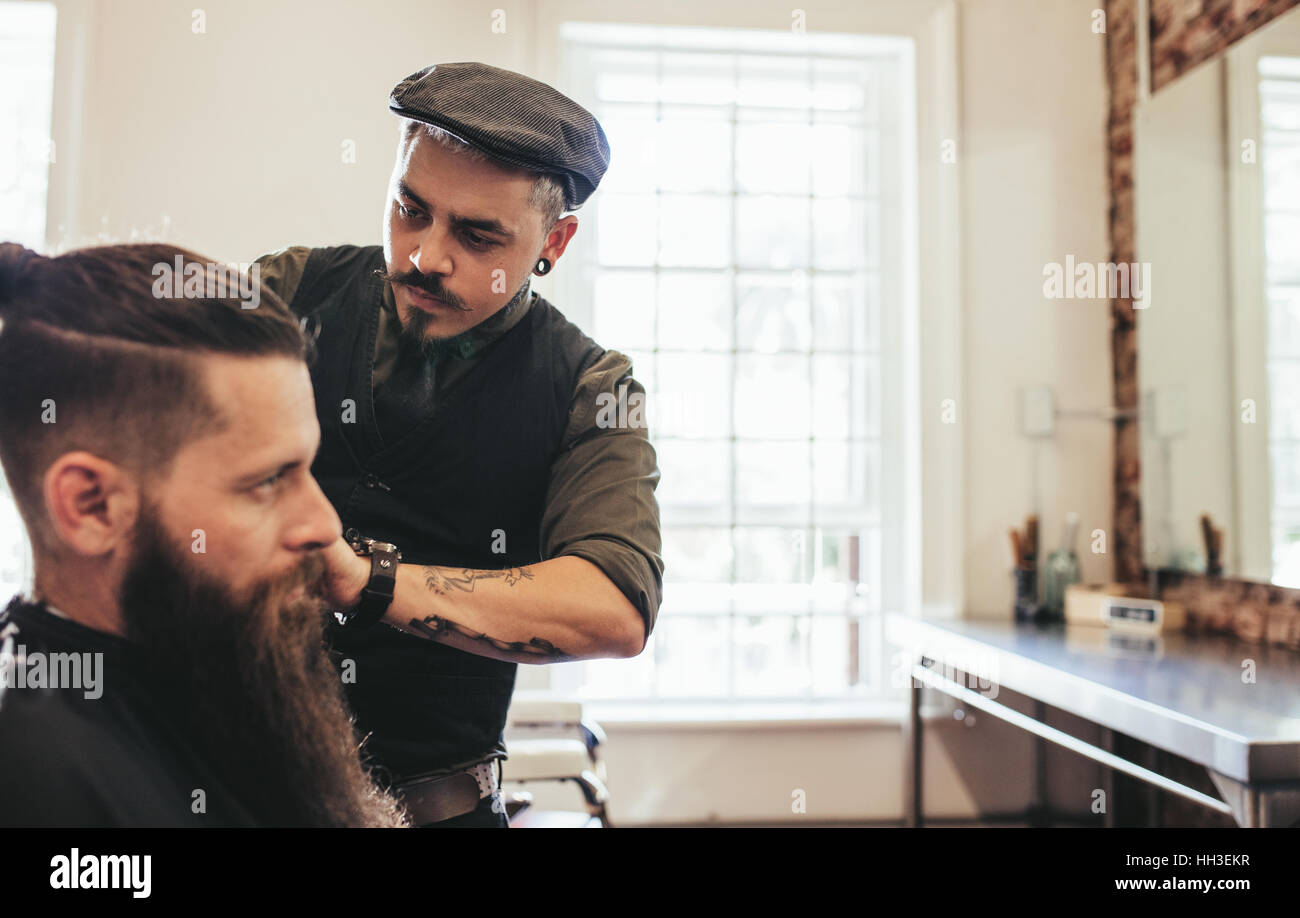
(427, 283)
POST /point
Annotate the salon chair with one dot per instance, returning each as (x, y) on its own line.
(549, 740)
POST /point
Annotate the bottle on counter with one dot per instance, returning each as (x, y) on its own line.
(1061, 570)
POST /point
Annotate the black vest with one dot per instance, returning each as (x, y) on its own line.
(479, 463)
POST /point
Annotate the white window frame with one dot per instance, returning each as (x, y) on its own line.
(930, 492)
(16, 563)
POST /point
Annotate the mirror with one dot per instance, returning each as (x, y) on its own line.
(1217, 208)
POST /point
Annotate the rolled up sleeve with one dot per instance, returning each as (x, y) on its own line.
(600, 503)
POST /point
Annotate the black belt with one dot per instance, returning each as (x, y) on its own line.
(441, 797)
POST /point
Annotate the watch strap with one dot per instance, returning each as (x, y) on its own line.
(377, 595)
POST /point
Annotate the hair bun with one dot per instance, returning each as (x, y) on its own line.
(13, 260)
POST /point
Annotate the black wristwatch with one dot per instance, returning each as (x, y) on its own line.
(378, 593)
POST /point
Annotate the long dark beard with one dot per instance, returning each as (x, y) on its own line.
(252, 687)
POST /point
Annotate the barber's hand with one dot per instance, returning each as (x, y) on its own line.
(347, 574)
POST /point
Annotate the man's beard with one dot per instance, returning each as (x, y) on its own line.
(251, 685)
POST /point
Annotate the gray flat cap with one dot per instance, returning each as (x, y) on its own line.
(511, 117)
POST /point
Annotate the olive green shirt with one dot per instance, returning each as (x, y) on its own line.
(600, 501)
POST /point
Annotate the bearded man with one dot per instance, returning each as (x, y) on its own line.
(158, 442)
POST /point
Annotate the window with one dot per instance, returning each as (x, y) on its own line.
(748, 253)
(1279, 117)
(26, 97)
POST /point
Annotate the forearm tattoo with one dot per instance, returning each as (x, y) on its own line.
(434, 627)
(442, 584)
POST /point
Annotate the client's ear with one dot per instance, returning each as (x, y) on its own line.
(92, 503)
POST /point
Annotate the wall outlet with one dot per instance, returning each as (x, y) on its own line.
(1037, 412)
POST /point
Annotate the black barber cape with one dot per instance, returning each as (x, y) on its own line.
(92, 755)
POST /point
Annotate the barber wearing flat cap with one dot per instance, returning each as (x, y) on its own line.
(492, 513)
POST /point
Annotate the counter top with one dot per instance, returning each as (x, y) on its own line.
(1185, 694)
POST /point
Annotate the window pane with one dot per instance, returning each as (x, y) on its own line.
(772, 658)
(772, 232)
(628, 228)
(783, 82)
(692, 657)
(632, 130)
(695, 310)
(699, 554)
(844, 162)
(697, 598)
(872, 586)
(770, 598)
(851, 557)
(847, 402)
(1280, 154)
(1284, 322)
(774, 157)
(772, 396)
(1280, 67)
(773, 313)
(1282, 251)
(695, 149)
(1284, 400)
(15, 553)
(625, 76)
(702, 79)
(695, 230)
(702, 382)
(1279, 105)
(625, 309)
(1286, 555)
(772, 555)
(625, 678)
(644, 366)
(846, 85)
(1281, 162)
(846, 312)
(27, 32)
(693, 472)
(839, 228)
(1286, 476)
(26, 99)
(845, 473)
(770, 474)
(837, 662)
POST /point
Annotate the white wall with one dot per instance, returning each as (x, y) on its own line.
(1034, 185)
(234, 136)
